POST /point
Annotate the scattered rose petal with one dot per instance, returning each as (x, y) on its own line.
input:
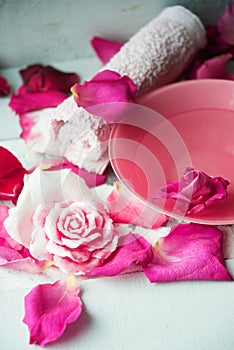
(39, 78)
(215, 68)
(105, 49)
(124, 207)
(49, 308)
(132, 250)
(102, 95)
(11, 175)
(22, 103)
(196, 189)
(91, 179)
(226, 25)
(4, 87)
(189, 252)
(215, 44)
(5, 239)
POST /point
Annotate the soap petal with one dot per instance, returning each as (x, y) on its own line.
(189, 252)
(49, 308)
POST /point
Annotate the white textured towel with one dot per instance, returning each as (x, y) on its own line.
(161, 50)
(153, 57)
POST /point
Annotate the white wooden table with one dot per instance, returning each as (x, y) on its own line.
(125, 312)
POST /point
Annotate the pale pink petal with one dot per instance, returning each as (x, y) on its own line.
(105, 49)
(5, 239)
(49, 308)
(125, 208)
(91, 179)
(215, 68)
(23, 103)
(35, 129)
(189, 252)
(132, 250)
(226, 25)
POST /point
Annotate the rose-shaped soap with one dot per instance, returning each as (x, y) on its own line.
(73, 235)
(58, 219)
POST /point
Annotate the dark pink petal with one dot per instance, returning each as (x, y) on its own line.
(226, 25)
(132, 250)
(215, 68)
(91, 179)
(11, 175)
(27, 102)
(196, 190)
(49, 308)
(4, 87)
(39, 78)
(102, 94)
(189, 252)
(105, 49)
(215, 44)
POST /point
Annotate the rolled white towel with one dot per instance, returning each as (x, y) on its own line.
(154, 56)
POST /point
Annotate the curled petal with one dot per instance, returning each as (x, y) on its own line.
(133, 250)
(22, 103)
(189, 252)
(105, 49)
(196, 190)
(226, 25)
(49, 308)
(4, 87)
(39, 78)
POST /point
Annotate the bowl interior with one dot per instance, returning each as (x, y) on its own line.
(183, 124)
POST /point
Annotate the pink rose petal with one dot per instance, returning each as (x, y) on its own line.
(215, 68)
(4, 87)
(105, 49)
(91, 179)
(5, 239)
(102, 95)
(39, 78)
(226, 25)
(189, 252)
(49, 308)
(132, 250)
(125, 208)
(11, 175)
(23, 103)
(196, 190)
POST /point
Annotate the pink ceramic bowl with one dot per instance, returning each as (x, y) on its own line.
(184, 124)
